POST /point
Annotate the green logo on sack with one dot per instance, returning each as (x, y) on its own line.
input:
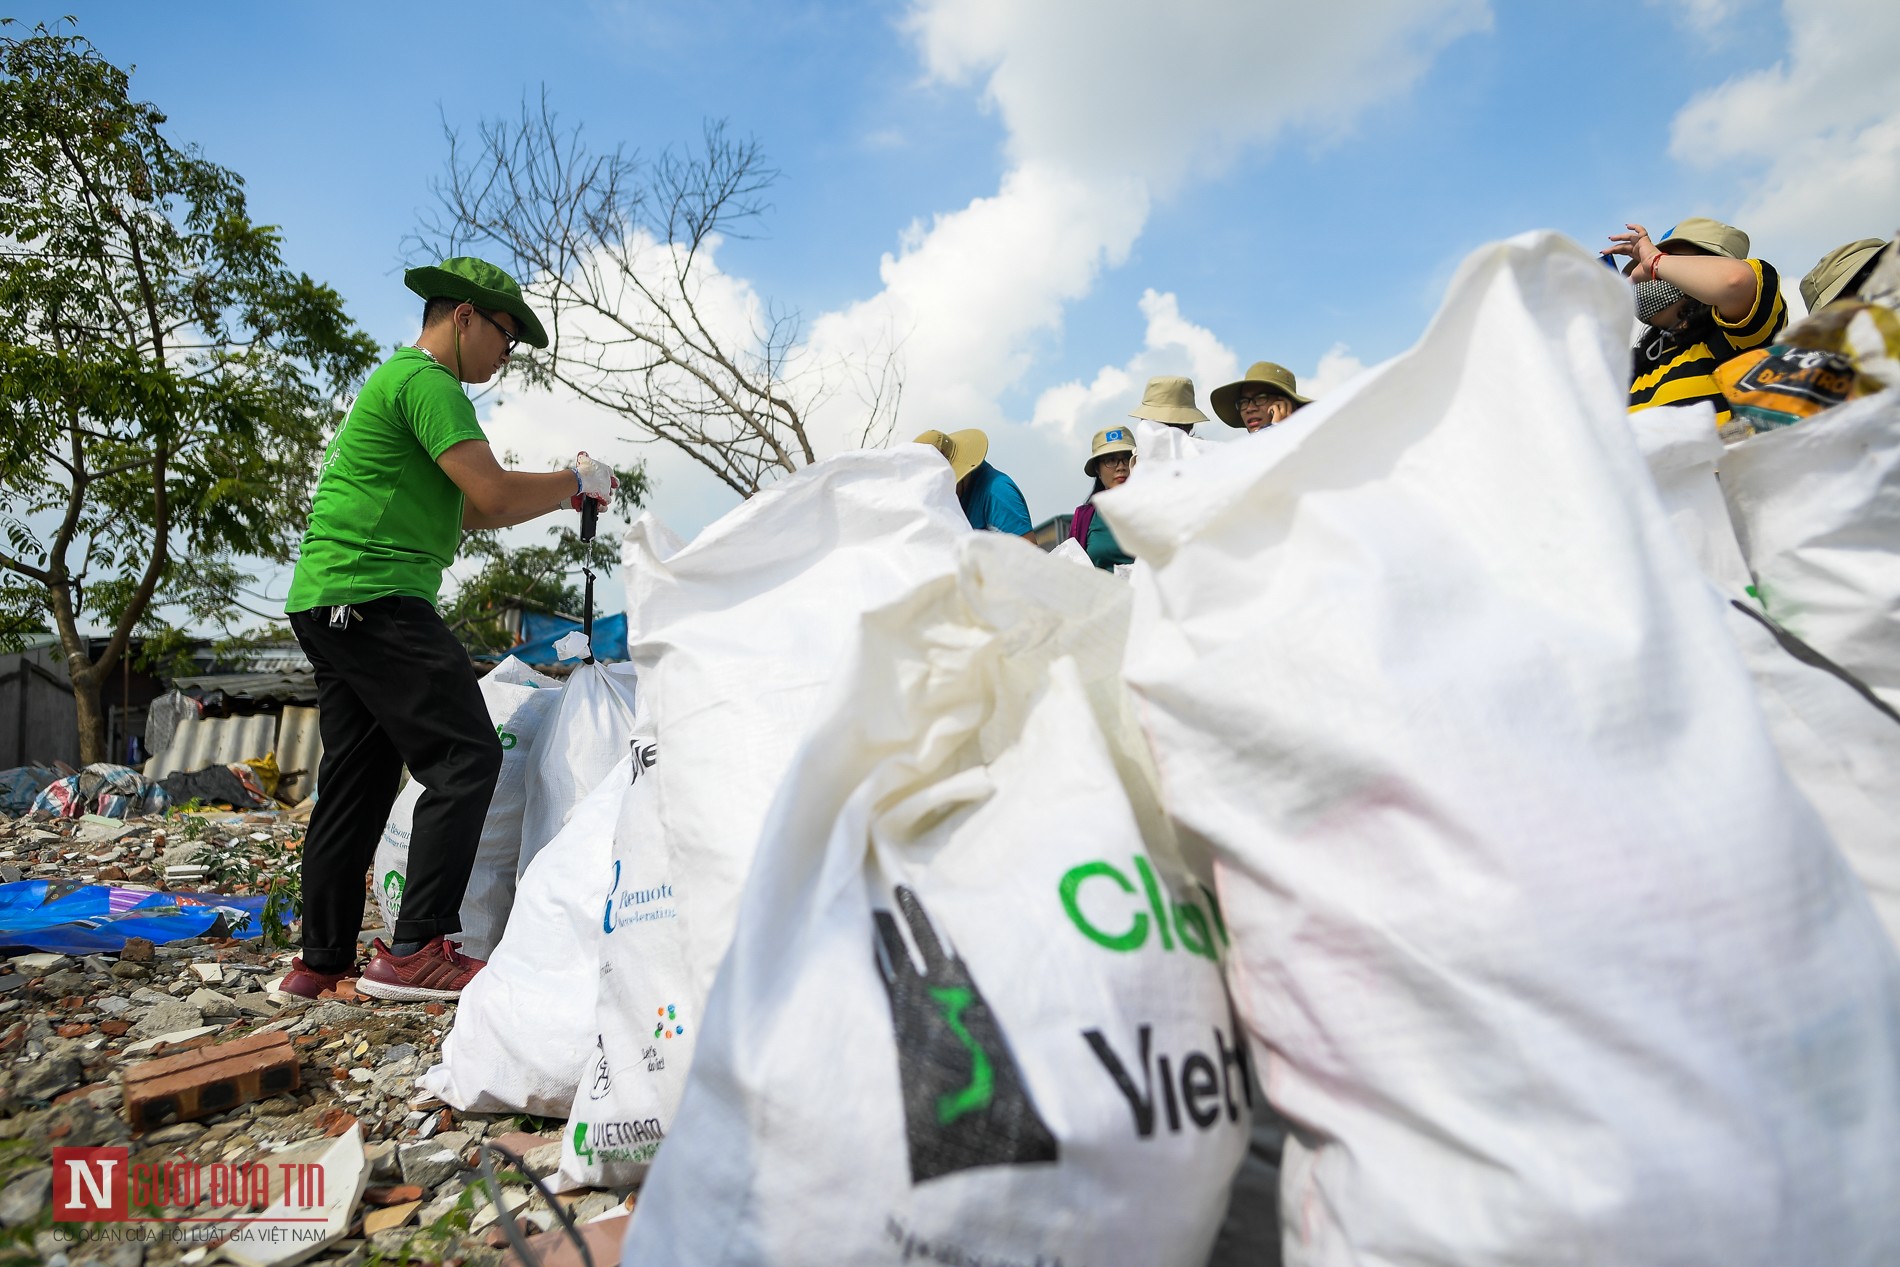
(965, 1101)
(633, 1143)
(1186, 922)
(982, 1088)
(507, 740)
(392, 891)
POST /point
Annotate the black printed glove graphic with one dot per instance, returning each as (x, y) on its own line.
(964, 1100)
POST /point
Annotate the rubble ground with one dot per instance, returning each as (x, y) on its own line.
(70, 1026)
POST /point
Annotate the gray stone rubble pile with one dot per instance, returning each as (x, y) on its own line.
(70, 1025)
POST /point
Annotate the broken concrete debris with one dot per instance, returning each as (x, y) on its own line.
(93, 1044)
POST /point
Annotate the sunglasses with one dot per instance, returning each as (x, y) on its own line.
(513, 339)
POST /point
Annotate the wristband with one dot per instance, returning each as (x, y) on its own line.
(579, 486)
(1655, 265)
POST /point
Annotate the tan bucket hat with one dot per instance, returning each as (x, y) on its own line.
(1169, 398)
(1113, 440)
(1826, 280)
(1265, 373)
(1710, 235)
(963, 450)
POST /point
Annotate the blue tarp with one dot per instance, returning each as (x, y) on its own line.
(70, 918)
(542, 632)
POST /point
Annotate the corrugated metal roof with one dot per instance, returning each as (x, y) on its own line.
(204, 741)
(299, 747)
(207, 741)
(299, 685)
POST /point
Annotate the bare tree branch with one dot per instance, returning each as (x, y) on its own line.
(614, 250)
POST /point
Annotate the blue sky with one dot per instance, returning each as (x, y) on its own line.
(1301, 180)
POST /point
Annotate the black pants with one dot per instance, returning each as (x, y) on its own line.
(395, 688)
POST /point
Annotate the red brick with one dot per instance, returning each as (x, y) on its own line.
(434, 1009)
(209, 1080)
(553, 1249)
(334, 1121)
(521, 1143)
(387, 1194)
(117, 1029)
(74, 1031)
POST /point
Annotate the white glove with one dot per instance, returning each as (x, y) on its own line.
(596, 479)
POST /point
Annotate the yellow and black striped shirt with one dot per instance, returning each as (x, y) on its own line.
(1678, 367)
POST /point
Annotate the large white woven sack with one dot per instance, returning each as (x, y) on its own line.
(523, 1032)
(1840, 741)
(520, 702)
(973, 1011)
(736, 635)
(585, 740)
(1817, 508)
(1554, 963)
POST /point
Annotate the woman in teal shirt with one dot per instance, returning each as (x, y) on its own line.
(1111, 459)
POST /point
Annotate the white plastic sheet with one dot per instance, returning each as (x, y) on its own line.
(1841, 746)
(1555, 963)
(1817, 508)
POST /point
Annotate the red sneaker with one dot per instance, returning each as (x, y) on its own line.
(437, 971)
(308, 983)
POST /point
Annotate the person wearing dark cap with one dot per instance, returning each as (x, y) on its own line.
(1840, 273)
(1709, 303)
(406, 473)
(1268, 395)
(990, 499)
(1111, 462)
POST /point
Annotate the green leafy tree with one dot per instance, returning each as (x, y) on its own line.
(166, 381)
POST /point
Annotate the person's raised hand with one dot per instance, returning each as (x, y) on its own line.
(596, 479)
(1635, 244)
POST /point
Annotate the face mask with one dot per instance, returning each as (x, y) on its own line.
(1654, 296)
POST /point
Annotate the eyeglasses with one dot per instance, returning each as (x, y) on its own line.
(1262, 399)
(513, 339)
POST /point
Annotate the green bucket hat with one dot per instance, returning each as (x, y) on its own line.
(1826, 280)
(480, 283)
(1264, 373)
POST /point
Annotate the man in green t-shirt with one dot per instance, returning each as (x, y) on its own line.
(407, 472)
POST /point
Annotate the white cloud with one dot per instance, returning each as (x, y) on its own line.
(1816, 135)
(1173, 345)
(1106, 106)
(1708, 18)
(1337, 367)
